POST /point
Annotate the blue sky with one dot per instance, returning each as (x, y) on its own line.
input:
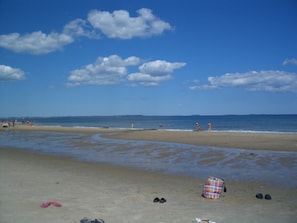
(148, 57)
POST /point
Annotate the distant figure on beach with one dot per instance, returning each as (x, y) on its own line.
(209, 126)
(197, 126)
(132, 125)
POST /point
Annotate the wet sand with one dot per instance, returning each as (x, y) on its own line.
(256, 141)
(118, 194)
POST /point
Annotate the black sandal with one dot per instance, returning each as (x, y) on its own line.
(163, 200)
(268, 197)
(156, 200)
(259, 196)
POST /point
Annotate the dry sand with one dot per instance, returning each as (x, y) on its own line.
(122, 195)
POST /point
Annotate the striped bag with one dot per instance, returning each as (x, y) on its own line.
(213, 188)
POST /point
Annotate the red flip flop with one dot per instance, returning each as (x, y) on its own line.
(56, 203)
(45, 204)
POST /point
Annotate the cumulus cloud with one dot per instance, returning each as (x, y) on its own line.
(105, 71)
(35, 43)
(80, 27)
(272, 81)
(41, 43)
(114, 70)
(147, 79)
(154, 72)
(8, 73)
(119, 23)
(292, 61)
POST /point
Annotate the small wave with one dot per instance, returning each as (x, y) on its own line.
(253, 131)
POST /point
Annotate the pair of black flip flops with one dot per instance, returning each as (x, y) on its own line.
(88, 220)
(266, 197)
(158, 200)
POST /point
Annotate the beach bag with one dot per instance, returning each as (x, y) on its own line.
(213, 188)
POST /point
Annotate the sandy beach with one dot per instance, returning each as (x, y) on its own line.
(119, 194)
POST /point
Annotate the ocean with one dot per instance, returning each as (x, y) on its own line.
(173, 158)
(233, 123)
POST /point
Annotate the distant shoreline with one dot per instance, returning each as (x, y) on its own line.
(221, 123)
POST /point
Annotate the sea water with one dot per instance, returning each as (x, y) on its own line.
(233, 123)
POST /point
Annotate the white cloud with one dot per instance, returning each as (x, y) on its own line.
(292, 61)
(105, 71)
(8, 73)
(79, 27)
(154, 72)
(272, 81)
(114, 70)
(159, 67)
(147, 79)
(119, 24)
(40, 43)
(35, 42)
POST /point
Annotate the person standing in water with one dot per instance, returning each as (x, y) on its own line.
(209, 126)
(197, 126)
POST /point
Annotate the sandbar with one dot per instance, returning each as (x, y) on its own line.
(255, 141)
